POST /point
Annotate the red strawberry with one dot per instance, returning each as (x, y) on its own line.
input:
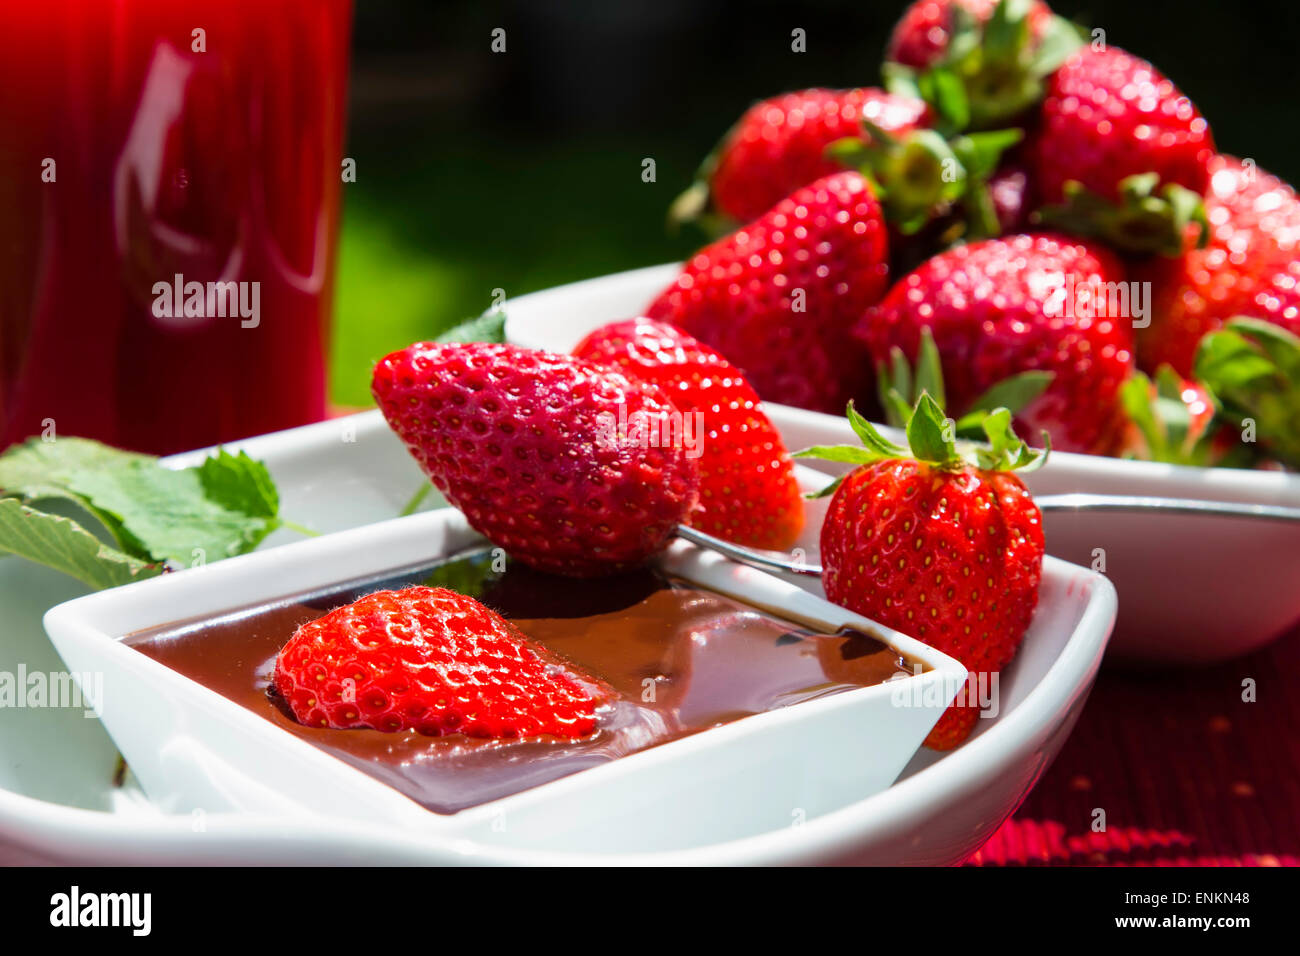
(748, 492)
(1109, 115)
(571, 467)
(432, 661)
(780, 144)
(778, 298)
(1247, 267)
(922, 35)
(947, 551)
(998, 308)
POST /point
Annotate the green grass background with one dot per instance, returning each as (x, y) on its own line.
(429, 230)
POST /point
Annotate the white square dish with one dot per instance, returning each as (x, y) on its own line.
(943, 807)
(195, 750)
(1163, 566)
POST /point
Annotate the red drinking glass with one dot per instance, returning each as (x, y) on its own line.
(154, 145)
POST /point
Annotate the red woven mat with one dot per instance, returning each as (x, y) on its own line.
(1186, 772)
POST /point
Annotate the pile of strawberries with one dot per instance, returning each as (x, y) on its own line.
(968, 251)
(1040, 201)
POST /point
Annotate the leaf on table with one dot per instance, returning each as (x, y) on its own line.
(39, 470)
(62, 544)
(223, 507)
(239, 483)
(168, 515)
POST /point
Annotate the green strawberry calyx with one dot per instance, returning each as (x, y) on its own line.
(1148, 218)
(900, 383)
(1252, 370)
(931, 438)
(991, 72)
(1168, 430)
(922, 176)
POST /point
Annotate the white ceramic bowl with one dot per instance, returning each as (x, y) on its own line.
(1193, 590)
(257, 811)
(195, 750)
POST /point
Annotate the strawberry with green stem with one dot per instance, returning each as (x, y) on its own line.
(1247, 266)
(1120, 153)
(900, 384)
(923, 177)
(779, 145)
(941, 544)
(1017, 304)
(1252, 368)
(990, 57)
(1170, 420)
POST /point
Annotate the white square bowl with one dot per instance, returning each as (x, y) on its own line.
(1194, 590)
(195, 750)
(260, 798)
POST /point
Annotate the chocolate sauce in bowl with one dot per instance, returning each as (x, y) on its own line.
(681, 660)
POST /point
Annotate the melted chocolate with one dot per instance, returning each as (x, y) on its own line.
(681, 659)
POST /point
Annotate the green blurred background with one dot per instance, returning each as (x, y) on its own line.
(479, 170)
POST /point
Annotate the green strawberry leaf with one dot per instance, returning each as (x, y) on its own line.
(1007, 32)
(488, 327)
(166, 513)
(1252, 368)
(871, 438)
(930, 434)
(944, 90)
(238, 483)
(64, 545)
(220, 508)
(37, 470)
(929, 370)
(900, 80)
(1006, 451)
(980, 153)
(829, 490)
(847, 454)
(1013, 393)
(1059, 40)
(1148, 218)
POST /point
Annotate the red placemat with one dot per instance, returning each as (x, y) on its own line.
(1186, 772)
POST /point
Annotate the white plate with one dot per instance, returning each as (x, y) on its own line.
(1192, 590)
(58, 804)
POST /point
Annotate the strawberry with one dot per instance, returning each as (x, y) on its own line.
(1120, 152)
(978, 63)
(1247, 267)
(432, 661)
(1007, 306)
(923, 33)
(569, 466)
(778, 298)
(779, 145)
(944, 549)
(748, 492)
